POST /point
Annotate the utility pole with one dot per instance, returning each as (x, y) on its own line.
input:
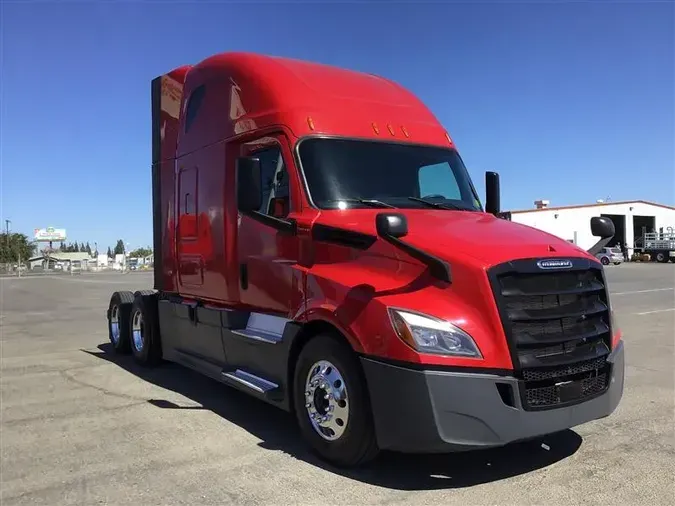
(7, 222)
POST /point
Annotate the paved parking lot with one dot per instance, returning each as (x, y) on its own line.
(82, 426)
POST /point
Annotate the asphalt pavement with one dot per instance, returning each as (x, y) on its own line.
(80, 425)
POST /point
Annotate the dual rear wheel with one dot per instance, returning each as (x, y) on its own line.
(133, 325)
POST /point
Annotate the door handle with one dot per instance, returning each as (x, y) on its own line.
(243, 276)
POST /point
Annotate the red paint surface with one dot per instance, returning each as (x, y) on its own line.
(251, 100)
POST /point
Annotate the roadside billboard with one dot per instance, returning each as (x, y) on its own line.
(49, 234)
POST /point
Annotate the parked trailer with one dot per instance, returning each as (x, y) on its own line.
(660, 246)
(320, 245)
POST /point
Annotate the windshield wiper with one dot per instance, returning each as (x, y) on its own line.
(366, 202)
(445, 205)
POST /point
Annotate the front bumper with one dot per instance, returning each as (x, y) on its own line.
(428, 411)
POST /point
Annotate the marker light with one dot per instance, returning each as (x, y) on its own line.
(405, 132)
(391, 129)
(376, 129)
(431, 335)
(310, 122)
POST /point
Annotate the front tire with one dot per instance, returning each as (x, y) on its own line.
(144, 329)
(604, 261)
(331, 403)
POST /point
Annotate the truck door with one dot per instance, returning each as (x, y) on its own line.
(268, 283)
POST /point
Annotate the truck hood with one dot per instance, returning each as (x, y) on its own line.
(453, 235)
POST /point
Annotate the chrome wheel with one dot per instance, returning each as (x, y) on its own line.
(137, 330)
(115, 324)
(326, 400)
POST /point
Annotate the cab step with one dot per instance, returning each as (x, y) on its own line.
(250, 382)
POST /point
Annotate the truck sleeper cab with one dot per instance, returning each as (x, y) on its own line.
(320, 245)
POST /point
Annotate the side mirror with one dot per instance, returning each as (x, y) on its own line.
(248, 184)
(602, 227)
(391, 225)
(492, 203)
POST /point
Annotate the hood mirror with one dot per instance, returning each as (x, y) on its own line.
(601, 227)
(391, 225)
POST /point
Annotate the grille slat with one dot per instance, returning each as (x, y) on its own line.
(549, 284)
(582, 307)
(562, 355)
(557, 324)
(530, 338)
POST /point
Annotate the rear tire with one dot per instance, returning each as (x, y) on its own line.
(604, 261)
(119, 311)
(661, 257)
(145, 341)
(338, 429)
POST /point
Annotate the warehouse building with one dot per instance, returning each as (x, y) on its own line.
(632, 219)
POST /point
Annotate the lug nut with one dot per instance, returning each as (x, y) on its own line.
(327, 396)
(308, 405)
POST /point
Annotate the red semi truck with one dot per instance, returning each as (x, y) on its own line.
(320, 245)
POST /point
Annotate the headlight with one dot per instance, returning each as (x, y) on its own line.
(431, 335)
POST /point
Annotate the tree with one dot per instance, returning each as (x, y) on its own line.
(110, 253)
(14, 247)
(63, 246)
(119, 247)
(141, 252)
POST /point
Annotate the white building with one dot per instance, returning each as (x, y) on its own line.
(573, 223)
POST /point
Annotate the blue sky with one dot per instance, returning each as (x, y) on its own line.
(570, 101)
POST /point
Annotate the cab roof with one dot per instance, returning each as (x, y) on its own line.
(312, 98)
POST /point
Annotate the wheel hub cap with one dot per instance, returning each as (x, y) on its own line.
(326, 400)
(137, 330)
(115, 324)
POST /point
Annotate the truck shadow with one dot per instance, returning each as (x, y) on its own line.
(278, 432)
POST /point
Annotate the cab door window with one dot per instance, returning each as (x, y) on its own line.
(275, 182)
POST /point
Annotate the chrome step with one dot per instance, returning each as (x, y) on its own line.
(250, 381)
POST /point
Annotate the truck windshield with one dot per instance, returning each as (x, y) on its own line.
(343, 173)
